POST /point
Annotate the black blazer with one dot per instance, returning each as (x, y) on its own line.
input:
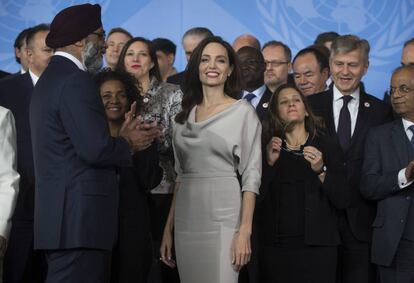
(263, 105)
(76, 204)
(15, 94)
(176, 79)
(4, 74)
(132, 255)
(387, 152)
(371, 112)
(321, 199)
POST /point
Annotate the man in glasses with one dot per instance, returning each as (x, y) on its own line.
(277, 56)
(388, 176)
(76, 204)
(349, 112)
(253, 66)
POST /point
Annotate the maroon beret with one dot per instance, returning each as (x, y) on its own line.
(73, 24)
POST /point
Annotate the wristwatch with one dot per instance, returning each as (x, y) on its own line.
(323, 170)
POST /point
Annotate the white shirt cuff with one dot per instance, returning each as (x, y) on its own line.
(402, 180)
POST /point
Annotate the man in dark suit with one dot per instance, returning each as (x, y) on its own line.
(253, 66)
(388, 176)
(21, 262)
(256, 92)
(349, 112)
(191, 39)
(76, 203)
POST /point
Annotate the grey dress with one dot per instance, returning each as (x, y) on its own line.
(208, 201)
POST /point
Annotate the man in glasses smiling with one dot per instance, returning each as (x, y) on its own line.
(388, 176)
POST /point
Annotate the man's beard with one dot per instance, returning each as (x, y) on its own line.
(92, 57)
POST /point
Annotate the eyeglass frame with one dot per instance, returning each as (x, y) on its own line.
(402, 89)
(275, 64)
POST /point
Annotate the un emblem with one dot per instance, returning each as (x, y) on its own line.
(16, 15)
(385, 24)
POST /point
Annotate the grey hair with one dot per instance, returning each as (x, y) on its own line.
(347, 43)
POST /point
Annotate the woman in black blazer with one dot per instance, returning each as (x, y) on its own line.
(132, 255)
(303, 183)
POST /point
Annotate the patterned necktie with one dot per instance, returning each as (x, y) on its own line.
(411, 128)
(249, 97)
(344, 124)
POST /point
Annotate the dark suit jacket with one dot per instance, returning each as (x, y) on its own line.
(15, 94)
(4, 74)
(260, 110)
(132, 256)
(176, 79)
(321, 199)
(386, 153)
(76, 204)
(372, 112)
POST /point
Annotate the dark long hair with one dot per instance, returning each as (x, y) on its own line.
(155, 71)
(192, 89)
(274, 126)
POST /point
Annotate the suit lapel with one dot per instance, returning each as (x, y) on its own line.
(362, 118)
(260, 110)
(399, 138)
(330, 121)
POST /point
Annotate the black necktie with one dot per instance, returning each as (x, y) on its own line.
(344, 124)
(249, 97)
(411, 128)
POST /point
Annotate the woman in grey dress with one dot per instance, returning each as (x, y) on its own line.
(215, 138)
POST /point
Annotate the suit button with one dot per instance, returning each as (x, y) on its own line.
(402, 220)
(408, 198)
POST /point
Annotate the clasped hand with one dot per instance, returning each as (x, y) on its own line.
(310, 153)
(139, 135)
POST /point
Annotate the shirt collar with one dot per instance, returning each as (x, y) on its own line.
(258, 92)
(337, 95)
(33, 77)
(71, 58)
(407, 124)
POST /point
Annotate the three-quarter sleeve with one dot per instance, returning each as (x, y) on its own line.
(249, 151)
(9, 178)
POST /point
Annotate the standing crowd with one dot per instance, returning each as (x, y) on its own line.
(248, 166)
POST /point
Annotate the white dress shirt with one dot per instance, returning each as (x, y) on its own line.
(402, 180)
(71, 58)
(33, 77)
(9, 178)
(353, 106)
(258, 92)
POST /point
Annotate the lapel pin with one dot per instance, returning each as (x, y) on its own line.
(265, 105)
(145, 100)
(366, 104)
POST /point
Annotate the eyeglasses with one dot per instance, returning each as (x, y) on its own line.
(275, 63)
(100, 35)
(402, 89)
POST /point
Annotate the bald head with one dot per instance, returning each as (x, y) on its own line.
(246, 40)
(407, 57)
